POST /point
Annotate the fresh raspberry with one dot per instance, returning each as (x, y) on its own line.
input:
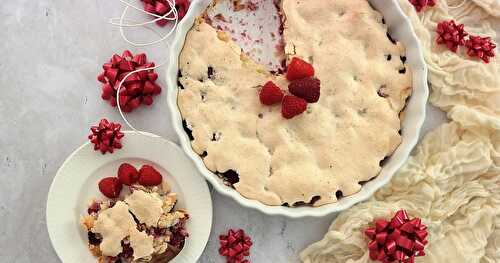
(127, 174)
(270, 94)
(110, 187)
(149, 176)
(299, 69)
(292, 106)
(306, 88)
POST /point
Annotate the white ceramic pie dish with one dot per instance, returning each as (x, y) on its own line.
(400, 29)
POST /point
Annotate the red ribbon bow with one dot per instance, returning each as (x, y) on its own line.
(481, 47)
(451, 34)
(400, 239)
(161, 7)
(420, 4)
(139, 88)
(235, 246)
(106, 136)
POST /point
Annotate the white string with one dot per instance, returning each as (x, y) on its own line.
(158, 17)
(130, 23)
(166, 16)
(118, 93)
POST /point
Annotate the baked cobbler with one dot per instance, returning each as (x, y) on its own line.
(337, 144)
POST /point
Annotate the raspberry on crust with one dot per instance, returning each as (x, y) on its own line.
(306, 88)
(292, 106)
(299, 69)
(270, 94)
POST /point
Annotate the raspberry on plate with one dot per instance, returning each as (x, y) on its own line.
(110, 187)
(270, 94)
(299, 69)
(149, 176)
(127, 174)
(292, 106)
(306, 88)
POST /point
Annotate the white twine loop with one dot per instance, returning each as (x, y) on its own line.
(166, 16)
(118, 94)
(172, 15)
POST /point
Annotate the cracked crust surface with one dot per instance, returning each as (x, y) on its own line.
(325, 152)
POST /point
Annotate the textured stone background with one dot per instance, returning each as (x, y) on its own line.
(50, 55)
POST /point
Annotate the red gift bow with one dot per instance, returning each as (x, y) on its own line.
(481, 47)
(106, 136)
(451, 34)
(400, 239)
(420, 4)
(235, 246)
(139, 88)
(161, 7)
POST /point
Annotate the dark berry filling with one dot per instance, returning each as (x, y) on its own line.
(127, 251)
(179, 233)
(339, 194)
(403, 59)
(230, 176)
(391, 39)
(187, 130)
(384, 161)
(94, 239)
(179, 76)
(362, 182)
(314, 199)
(381, 91)
(210, 72)
(94, 208)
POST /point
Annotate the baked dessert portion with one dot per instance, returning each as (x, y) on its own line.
(317, 157)
(141, 225)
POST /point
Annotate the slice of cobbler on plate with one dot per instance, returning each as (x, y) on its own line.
(138, 222)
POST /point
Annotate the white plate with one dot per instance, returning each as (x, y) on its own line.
(400, 29)
(76, 183)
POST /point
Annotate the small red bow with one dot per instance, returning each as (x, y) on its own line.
(106, 136)
(400, 239)
(162, 7)
(451, 34)
(139, 87)
(235, 246)
(481, 47)
(454, 35)
(420, 4)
